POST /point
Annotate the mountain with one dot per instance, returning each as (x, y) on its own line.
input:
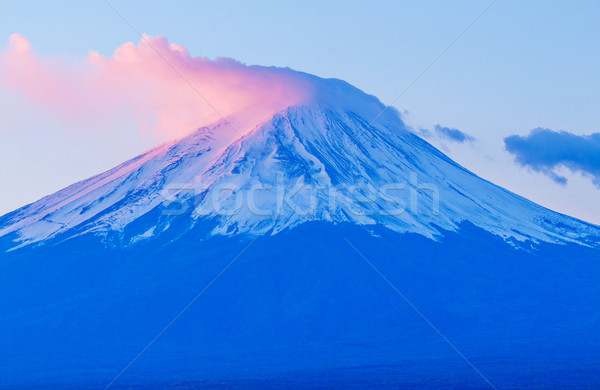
(364, 257)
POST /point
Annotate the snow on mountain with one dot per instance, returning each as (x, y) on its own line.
(319, 161)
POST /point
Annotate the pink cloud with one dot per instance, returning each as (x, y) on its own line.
(159, 83)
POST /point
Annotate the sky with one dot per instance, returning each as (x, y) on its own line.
(514, 98)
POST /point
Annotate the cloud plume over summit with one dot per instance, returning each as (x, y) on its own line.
(158, 83)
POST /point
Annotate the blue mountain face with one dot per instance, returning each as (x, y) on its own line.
(316, 249)
(302, 308)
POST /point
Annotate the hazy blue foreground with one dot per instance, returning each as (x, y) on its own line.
(302, 310)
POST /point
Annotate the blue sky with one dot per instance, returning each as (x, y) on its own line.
(521, 66)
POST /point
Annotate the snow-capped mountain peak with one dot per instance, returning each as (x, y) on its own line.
(255, 173)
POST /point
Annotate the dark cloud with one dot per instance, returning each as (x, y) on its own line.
(424, 132)
(451, 134)
(545, 150)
